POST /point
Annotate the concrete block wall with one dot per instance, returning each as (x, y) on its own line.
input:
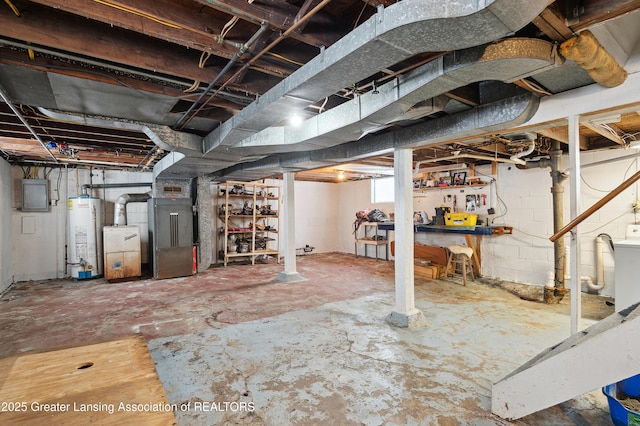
(39, 238)
(325, 214)
(316, 215)
(523, 200)
(527, 255)
(39, 251)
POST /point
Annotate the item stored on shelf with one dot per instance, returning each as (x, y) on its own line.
(461, 219)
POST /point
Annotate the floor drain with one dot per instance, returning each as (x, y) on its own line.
(85, 366)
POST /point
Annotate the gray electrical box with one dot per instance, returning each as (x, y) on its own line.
(35, 195)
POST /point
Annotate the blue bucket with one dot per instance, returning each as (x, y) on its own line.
(620, 415)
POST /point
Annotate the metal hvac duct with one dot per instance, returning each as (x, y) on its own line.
(120, 206)
(477, 121)
(506, 61)
(394, 34)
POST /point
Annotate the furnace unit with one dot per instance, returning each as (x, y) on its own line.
(170, 237)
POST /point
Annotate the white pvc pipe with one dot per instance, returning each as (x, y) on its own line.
(519, 155)
(599, 284)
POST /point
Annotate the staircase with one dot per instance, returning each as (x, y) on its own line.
(605, 353)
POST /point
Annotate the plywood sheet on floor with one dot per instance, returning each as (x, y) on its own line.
(113, 382)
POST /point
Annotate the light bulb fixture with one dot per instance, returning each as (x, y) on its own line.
(341, 175)
(295, 120)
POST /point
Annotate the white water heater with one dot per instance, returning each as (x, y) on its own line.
(85, 237)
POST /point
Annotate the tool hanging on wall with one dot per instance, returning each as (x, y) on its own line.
(484, 199)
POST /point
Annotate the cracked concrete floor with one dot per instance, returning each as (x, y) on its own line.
(237, 347)
(341, 363)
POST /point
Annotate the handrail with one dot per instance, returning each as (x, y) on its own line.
(604, 200)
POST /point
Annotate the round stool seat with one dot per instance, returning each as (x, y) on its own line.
(460, 256)
(455, 249)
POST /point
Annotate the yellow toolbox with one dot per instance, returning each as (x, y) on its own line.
(460, 219)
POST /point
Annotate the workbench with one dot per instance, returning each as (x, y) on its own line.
(472, 234)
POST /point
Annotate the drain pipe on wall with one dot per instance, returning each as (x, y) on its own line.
(599, 284)
(554, 293)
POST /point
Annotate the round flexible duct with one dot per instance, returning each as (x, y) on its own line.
(120, 206)
(588, 53)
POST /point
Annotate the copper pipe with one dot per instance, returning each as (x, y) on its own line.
(604, 200)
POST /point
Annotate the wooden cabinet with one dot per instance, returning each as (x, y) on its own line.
(249, 213)
(121, 252)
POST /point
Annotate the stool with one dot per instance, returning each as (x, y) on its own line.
(460, 256)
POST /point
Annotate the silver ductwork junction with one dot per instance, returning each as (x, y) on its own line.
(485, 119)
(392, 35)
(506, 61)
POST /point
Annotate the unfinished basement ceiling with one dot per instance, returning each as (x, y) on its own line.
(195, 66)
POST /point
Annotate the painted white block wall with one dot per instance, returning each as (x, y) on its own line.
(527, 255)
(39, 252)
(6, 228)
(325, 214)
(317, 215)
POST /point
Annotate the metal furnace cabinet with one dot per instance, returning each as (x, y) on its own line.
(171, 237)
(121, 251)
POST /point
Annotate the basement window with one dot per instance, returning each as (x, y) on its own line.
(382, 190)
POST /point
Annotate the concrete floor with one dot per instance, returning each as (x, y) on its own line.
(241, 348)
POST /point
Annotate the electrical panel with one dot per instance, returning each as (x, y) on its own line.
(35, 195)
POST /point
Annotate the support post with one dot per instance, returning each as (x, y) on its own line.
(406, 314)
(290, 274)
(205, 234)
(574, 159)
